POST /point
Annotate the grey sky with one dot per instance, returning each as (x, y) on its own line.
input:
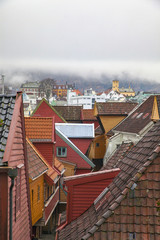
(87, 36)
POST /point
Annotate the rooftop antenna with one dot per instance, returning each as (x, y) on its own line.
(2, 83)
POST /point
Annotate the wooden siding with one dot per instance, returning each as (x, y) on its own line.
(96, 123)
(69, 171)
(3, 204)
(46, 111)
(16, 155)
(51, 205)
(98, 147)
(109, 122)
(37, 204)
(46, 149)
(83, 191)
(82, 143)
(72, 156)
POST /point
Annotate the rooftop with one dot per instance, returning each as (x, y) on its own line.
(115, 108)
(88, 114)
(7, 104)
(36, 165)
(69, 113)
(132, 166)
(139, 118)
(40, 128)
(75, 130)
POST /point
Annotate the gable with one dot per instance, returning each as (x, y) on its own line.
(44, 109)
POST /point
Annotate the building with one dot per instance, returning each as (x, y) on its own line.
(32, 89)
(41, 134)
(129, 207)
(135, 126)
(87, 116)
(44, 109)
(60, 90)
(15, 211)
(128, 92)
(72, 142)
(71, 114)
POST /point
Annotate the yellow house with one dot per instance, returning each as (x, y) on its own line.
(44, 189)
(127, 92)
(69, 171)
(109, 114)
(37, 169)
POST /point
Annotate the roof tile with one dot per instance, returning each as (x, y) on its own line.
(36, 166)
(7, 103)
(115, 108)
(69, 113)
(39, 128)
(135, 122)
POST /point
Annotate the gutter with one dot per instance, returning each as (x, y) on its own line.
(12, 173)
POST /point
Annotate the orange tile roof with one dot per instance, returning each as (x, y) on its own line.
(39, 128)
(58, 164)
(36, 165)
(52, 173)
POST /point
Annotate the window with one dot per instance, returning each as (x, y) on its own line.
(18, 191)
(61, 151)
(38, 193)
(97, 144)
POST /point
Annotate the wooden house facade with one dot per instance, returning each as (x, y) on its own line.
(15, 214)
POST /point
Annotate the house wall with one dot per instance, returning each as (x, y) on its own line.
(46, 149)
(138, 213)
(45, 111)
(82, 143)
(96, 123)
(72, 156)
(82, 195)
(21, 213)
(110, 121)
(69, 171)
(3, 204)
(37, 202)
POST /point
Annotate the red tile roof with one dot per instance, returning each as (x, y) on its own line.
(140, 118)
(115, 108)
(119, 154)
(141, 168)
(40, 128)
(36, 166)
(88, 114)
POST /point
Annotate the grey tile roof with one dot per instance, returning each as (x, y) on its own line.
(7, 103)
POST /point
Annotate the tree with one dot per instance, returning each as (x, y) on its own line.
(46, 86)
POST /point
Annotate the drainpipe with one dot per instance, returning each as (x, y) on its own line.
(12, 173)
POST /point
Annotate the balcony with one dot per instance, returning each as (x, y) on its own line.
(49, 208)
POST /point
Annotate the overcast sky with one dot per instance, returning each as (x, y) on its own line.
(85, 36)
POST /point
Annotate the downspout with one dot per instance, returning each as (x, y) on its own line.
(12, 174)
